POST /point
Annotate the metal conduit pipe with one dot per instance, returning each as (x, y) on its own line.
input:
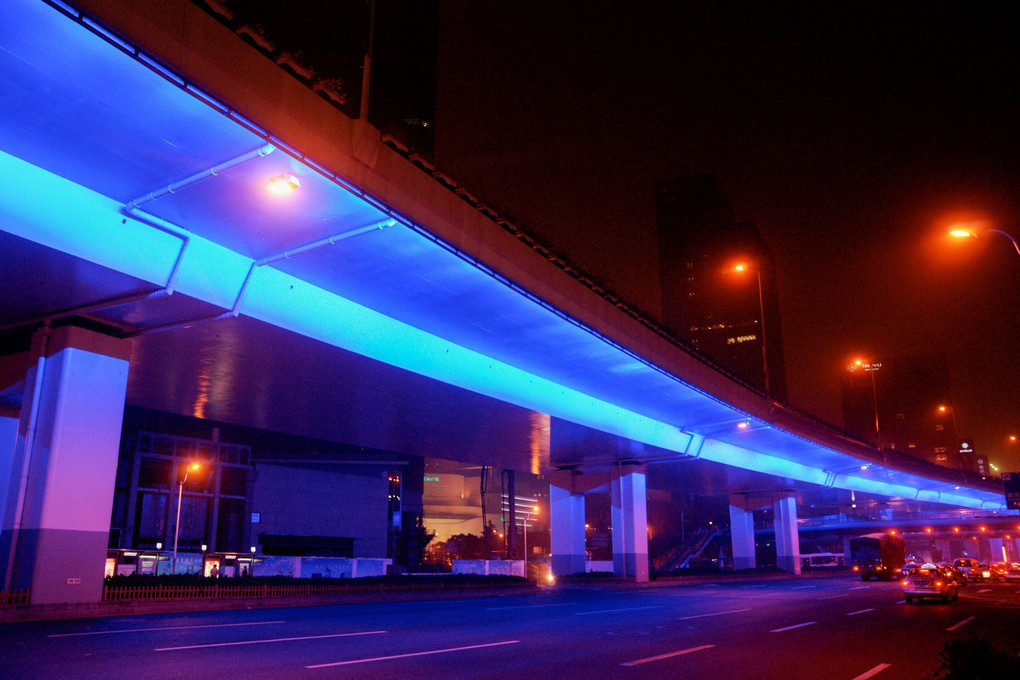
(328, 241)
(263, 150)
(173, 230)
(133, 207)
(235, 310)
(85, 309)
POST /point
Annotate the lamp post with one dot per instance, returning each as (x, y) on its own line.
(872, 368)
(177, 526)
(761, 316)
(972, 231)
(527, 516)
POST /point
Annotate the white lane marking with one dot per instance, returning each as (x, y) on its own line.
(613, 611)
(701, 616)
(962, 623)
(263, 642)
(859, 588)
(873, 672)
(802, 587)
(404, 656)
(799, 625)
(146, 630)
(528, 606)
(860, 611)
(834, 597)
(985, 590)
(667, 656)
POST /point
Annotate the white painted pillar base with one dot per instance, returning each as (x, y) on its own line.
(742, 537)
(57, 517)
(630, 524)
(566, 525)
(787, 536)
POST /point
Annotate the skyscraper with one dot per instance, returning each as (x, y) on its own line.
(718, 283)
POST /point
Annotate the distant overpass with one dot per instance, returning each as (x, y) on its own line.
(135, 150)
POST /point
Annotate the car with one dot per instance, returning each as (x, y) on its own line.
(997, 571)
(1012, 572)
(929, 581)
(949, 571)
(968, 565)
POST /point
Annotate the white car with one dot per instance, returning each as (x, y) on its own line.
(929, 581)
(970, 567)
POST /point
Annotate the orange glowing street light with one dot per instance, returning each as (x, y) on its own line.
(194, 467)
(872, 368)
(972, 230)
(742, 267)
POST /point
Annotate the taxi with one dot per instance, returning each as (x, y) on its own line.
(929, 581)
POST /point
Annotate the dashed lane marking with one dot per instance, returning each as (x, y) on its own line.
(961, 623)
(701, 616)
(873, 672)
(799, 625)
(405, 656)
(264, 642)
(613, 611)
(667, 656)
(146, 630)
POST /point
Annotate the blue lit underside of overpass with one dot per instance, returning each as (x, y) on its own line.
(104, 157)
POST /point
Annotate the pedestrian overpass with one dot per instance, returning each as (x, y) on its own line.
(370, 300)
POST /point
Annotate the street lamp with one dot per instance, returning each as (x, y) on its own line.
(527, 516)
(872, 368)
(194, 467)
(972, 231)
(742, 267)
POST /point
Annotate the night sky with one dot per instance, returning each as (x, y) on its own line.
(850, 133)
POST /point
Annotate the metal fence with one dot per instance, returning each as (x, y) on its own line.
(203, 591)
(14, 598)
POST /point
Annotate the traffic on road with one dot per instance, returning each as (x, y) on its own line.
(819, 626)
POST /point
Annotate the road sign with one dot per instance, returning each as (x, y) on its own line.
(1011, 486)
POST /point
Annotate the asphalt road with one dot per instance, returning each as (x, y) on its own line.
(831, 627)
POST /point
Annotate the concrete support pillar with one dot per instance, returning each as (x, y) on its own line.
(57, 516)
(995, 546)
(566, 524)
(630, 523)
(8, 437)
(787, 537)
(742, 535)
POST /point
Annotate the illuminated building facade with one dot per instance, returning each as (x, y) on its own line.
(719, 291)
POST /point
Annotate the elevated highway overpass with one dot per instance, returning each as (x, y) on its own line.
(378, 304)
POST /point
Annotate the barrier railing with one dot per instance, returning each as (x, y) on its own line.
(14, 598)
(203, 591)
